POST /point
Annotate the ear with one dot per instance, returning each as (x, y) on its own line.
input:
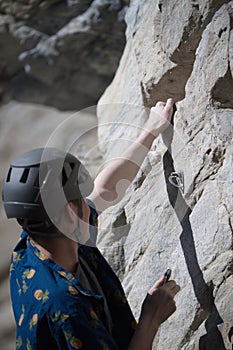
(68, 219)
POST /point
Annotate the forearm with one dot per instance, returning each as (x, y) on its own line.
(115, 178)
(143, 337)
(120, 172)
(127, 166)
(157, 307)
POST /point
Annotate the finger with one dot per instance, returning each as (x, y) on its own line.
(158, 283)
(171, 285)
(169, 104)
(172, 288)
(160, 104)
(169, 108)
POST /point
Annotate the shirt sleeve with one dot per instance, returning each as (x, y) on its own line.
(85, 332)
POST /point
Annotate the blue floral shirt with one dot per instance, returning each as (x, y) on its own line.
(54, 311)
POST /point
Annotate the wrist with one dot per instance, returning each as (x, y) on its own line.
(148, 326)
(152, 127)
(151, 325)
(142, 338)
(146, 138)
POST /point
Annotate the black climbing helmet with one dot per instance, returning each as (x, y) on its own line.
(40, 182)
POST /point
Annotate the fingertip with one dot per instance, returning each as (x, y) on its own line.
(170, 102)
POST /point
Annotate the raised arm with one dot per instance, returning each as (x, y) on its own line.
(112, 182)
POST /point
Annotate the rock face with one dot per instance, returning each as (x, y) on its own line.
(59, 53)
(180, 49)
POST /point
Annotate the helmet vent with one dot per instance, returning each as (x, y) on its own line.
(36, 182)
(24, 176)
(9, 175)
(64, 177)
(66, 172)
(72, 165)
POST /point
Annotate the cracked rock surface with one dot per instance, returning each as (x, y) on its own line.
(59, 53)
(187, 55)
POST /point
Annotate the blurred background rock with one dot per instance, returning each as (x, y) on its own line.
(61, 56)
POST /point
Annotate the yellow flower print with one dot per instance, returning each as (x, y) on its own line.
(59, 316)
(74, 342)
(30, 273)
(33, 321)
(95, 319)
(64, 317)
(40, 295)
(21, 319)
(16, 257)
(24, 287)
(21, 316)
(70, 277)
(19, 343)
(73, 290)
(28, 345)
(105, 346)
(40, 255)
(62, 273)
(93, 315)
(67, 275)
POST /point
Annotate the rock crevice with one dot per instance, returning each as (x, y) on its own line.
(186, 55)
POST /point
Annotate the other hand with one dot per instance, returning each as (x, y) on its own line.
(159, 303)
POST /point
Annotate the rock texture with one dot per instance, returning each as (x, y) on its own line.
(59, 53)
(179, 49)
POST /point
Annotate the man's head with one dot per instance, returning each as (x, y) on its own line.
(38, 186)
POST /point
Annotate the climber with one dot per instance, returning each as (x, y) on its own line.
(64, 294)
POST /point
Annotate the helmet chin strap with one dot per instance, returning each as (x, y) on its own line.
(32, 228)
(46, 234)
(77, 236)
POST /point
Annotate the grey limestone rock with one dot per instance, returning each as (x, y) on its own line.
(179, 49)
(59, 53)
